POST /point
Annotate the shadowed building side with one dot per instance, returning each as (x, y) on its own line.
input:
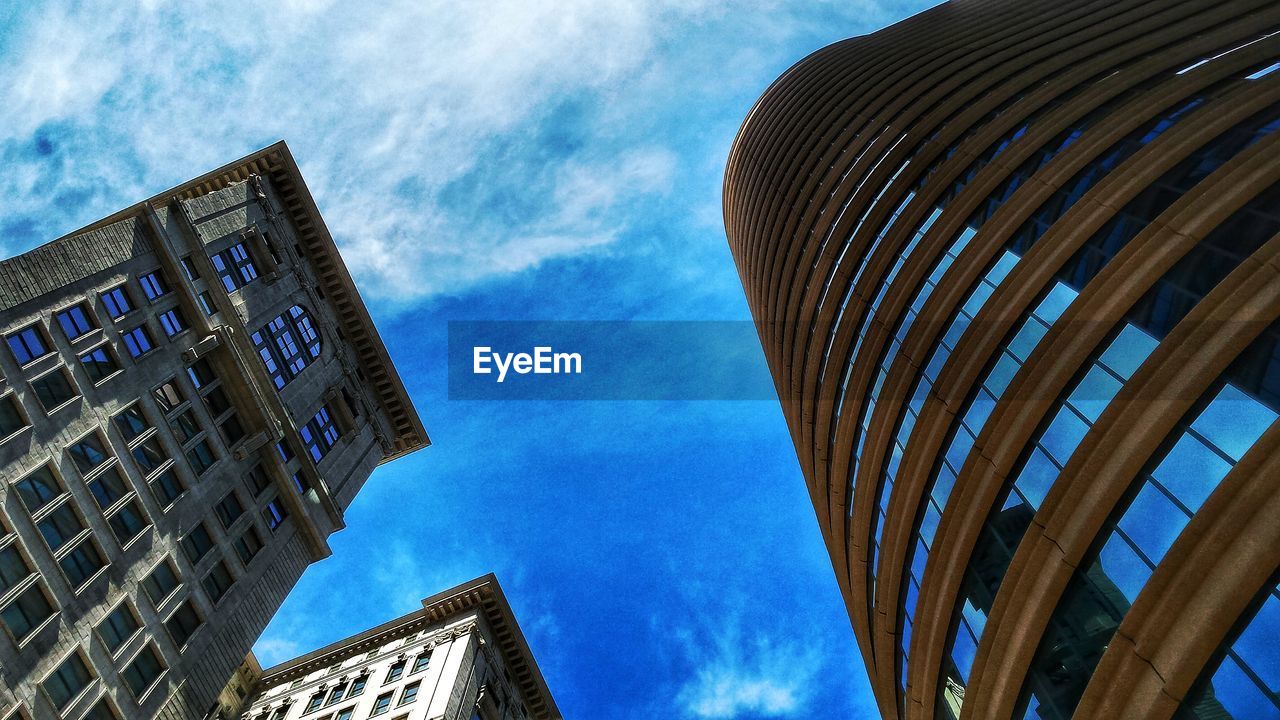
(1013, 269)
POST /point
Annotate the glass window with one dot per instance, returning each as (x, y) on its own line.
(201, 457)
(13, 569)
(38, 488)
(357, 685)
(274, 514)
(75, 321)
(60, 526)
(99, 364)
(201, 373)
(118, 626)
(127, 522)
(117, 302)
(381, 704)
(235, 267)
(169, 396)
(53, 389)
(206, 303)
(102, 711)
(81, 563)
(315, 702)
(131, 422)
(183, 623)
(161, 582)
(229, 509)
(88, 453)
(138, 341)
(257, 480)
(319, 434)
(248, 545)
(1233, 421)
(217, 402)
(11, 419)
(197, 543)
(173, 322)
(167, 487)
(26, 612)
(108, 487)
(143, 672)
(395, 672)
(28, 344)
(287, 344)
(218, 582)
(232, 431)
(421, 662)
(153, 285)
(65, 683)
(189, 268)
(185, 426)
(149, 455)
(409, 694)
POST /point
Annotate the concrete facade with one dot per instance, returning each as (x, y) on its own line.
(461, 657)
(153, 439)
(949, 232)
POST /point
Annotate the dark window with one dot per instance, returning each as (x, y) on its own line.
(189, 268)
(201, 457)
(75, 321)
(108, 487)
(53, 389)
(201, 373)
(149, 455)
(319, 434)
(88, 453)
(131, 422)
(183, 623)
(185, 426)
(138, 341)
(169, 395)
(232, 430)
(117, 302)
(229, 509)
(27, 344)
(206, 303)
(173, 322)
(217, 582)
(101, 711)
(197, 543)
(161, 582)
(26, 612)
(99, 364)
(71, 677)
(167, 487)
(118, 627)
(217, 402)
(315, 702)
(13, 569)
(38, 488)
(257, 480)
(11, 420)
(127, 522)
(153, 285)
(287, 344)
(143, 672)
(248, 545)
(285, 449)
(60, 526)
(81, 563)
(300, 481)
(274, 514)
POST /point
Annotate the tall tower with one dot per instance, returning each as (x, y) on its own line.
(193, 394)
(1013, 269)
(461, 656)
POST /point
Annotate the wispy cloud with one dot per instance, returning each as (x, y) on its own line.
(742, 672)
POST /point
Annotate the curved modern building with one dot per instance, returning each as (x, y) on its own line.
(1016, 270)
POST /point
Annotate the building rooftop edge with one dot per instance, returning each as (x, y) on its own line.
(276, 161)
(484, 593)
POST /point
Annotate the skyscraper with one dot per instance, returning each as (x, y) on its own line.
(193, 393)
(462, 656)
(1013, 269)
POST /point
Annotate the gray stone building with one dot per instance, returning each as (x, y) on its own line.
(461, 657)
(192, 394)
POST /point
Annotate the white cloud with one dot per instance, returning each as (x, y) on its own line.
(736, 675)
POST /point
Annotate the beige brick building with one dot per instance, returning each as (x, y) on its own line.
(461, 657)
(192, 394)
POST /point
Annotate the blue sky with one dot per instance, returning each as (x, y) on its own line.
(500, 160)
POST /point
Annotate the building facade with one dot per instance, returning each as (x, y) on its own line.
(192, 394)
(1013, 266)
(461, 657)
